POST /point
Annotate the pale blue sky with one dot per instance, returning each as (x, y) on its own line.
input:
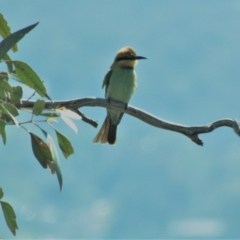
(153, 183)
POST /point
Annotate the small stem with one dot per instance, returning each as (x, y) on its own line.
(24, 128)
(31, 96)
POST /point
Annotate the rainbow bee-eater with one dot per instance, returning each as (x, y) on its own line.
(120, 83)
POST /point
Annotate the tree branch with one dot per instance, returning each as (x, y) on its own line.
(191, 132)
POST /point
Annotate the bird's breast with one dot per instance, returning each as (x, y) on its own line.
(122, 85)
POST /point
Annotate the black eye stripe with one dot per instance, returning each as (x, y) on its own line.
(124, 58)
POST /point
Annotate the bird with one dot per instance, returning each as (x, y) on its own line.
(120, 83)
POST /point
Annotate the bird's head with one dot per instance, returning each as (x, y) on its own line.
(126, 58)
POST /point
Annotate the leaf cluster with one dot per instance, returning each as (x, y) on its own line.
(44, 150)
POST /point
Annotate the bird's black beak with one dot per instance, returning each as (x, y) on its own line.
(139, 58)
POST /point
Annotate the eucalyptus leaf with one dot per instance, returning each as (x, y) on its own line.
(10, 217)
(64, 144)
(1, 193)
(8, 116)
(13, 118)
(70, 123)
(69, 113)
(16, 94)
(29, 77)
(2, 131)
(4, 85)
(41, 150)
(55, 160)
(11, 108)
(38, 107)
(5, 30)
(8, 62)
(12, 39)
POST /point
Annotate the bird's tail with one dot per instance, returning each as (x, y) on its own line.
(112, 133)
(107, 133)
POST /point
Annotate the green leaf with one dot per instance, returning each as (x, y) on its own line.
(8, 116)
(41, 150)
(1, 193)
(3, 75)
(64, 144)
(12, 39)
(14, 76)
(13, 118)
(46, 95)
(9, 63)
(2, 131)
(29, 77)
(38, 107)
(4, 85)
(11, 108)
(5, 30)
(55, 160)
(10, 217)
(16, 95)
(2, 95)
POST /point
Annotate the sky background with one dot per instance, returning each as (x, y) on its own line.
(154, 183)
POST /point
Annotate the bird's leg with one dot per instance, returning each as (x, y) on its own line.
(111, 101)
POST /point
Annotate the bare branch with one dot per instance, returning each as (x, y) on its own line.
(191, 132)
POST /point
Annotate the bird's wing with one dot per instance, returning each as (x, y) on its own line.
(106, 80)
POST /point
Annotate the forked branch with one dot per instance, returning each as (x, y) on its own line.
(191, 132)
